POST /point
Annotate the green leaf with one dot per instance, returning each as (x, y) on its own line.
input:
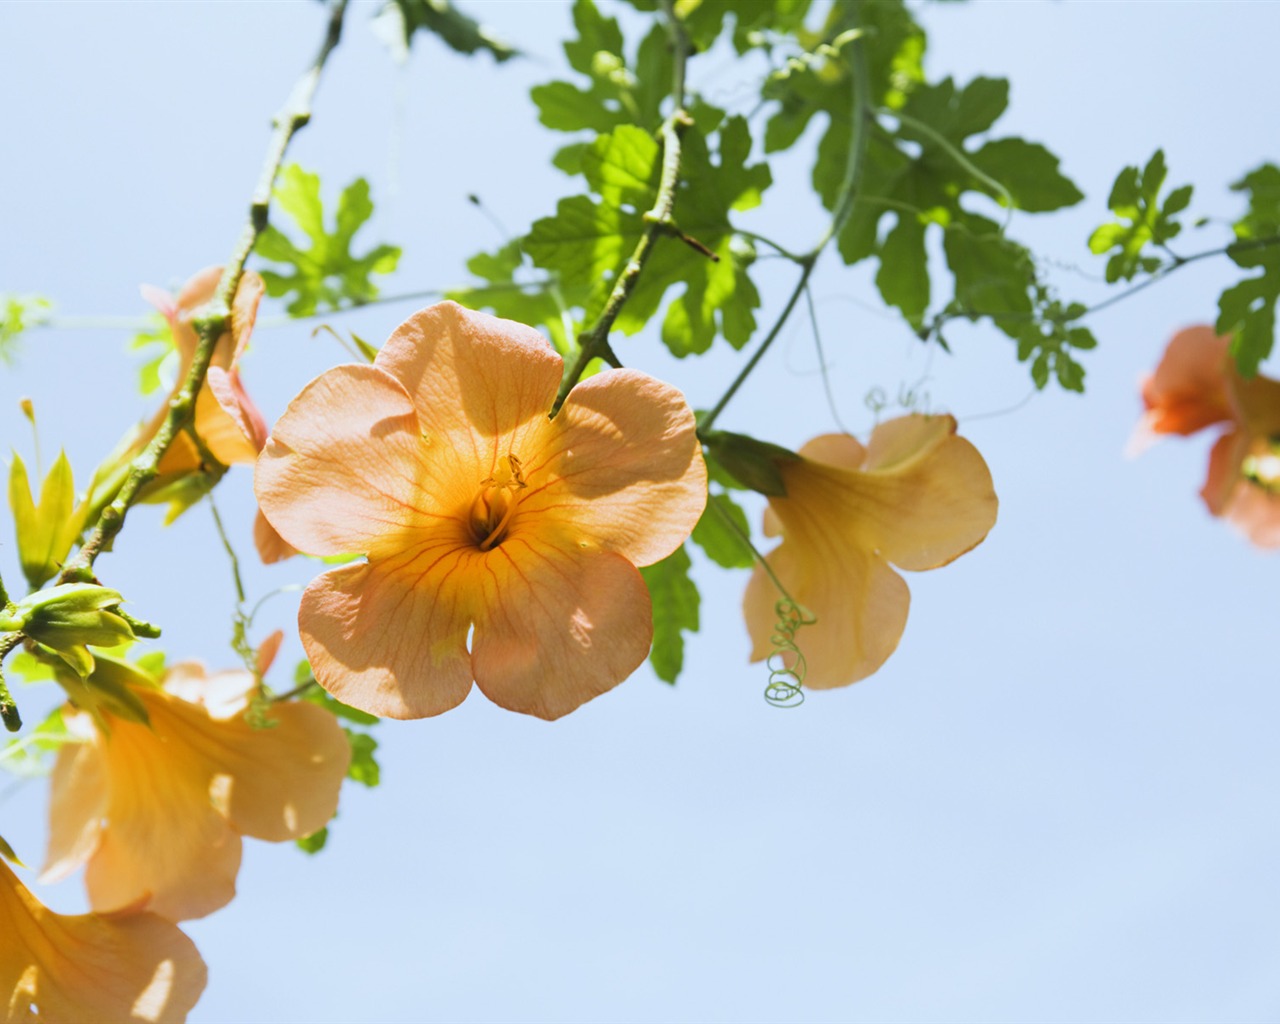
(723, 544)
(753, 464)
(587, 244)
(511, 290)
(617, 91)
(32, 754)
(324, 274)
(997, 278)
(18, 314)
(158, 334)
(452, 27)
(364, 767)
(675, 612)
(321, 697)
(1247, 310)
(315, 842)
(45, 531)
(1142, 220)
(1030, 173)
(903, 277)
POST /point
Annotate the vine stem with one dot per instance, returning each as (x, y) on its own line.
(1177, 263)
(859, 80)
(213, 320)
(658, 221)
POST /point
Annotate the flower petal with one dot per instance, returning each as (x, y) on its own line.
(859, 602)
(164, 837)
(392, 640)
(227, 420)
(77, 803)
(925, 496)
(91, 968)
(480, 381)
(1224, 470)
(1188, 390)
(559, 627)
(344, 468)
(271, 546)
(624, 468)
(286, 777)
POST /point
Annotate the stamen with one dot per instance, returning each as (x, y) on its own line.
(495, 505)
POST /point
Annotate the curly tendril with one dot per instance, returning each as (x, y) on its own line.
(786, 662)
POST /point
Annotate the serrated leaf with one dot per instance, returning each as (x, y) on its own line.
(325, 274)
(587, 244)
(719, 541)
(1029, 172)
(1247, 312)
(675, 612)
(1142, 220)
(540, 303)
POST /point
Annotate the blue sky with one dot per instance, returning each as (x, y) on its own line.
(1058, 799)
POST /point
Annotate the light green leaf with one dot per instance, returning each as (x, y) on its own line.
(364, 767)
(325, 274)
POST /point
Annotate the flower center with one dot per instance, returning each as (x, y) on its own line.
(494, 507)
(1261, 467)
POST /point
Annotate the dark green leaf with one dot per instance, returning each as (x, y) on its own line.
(722, 543)
(1030, 174)
(455, 29)
(675, 612)
(903, 277)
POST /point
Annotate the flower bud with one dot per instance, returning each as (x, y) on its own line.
(68, 617)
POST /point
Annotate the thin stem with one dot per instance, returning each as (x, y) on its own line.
(859, 81)
(231, 553)
(1158, 275)
(214, 320)
(658, 221)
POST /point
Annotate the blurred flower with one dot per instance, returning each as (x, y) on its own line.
(1196, 385)
(481, 516)
(157, 811)
(916, 496)
(226, 420)
(91, 968)
(1188, 390)
(230, 428)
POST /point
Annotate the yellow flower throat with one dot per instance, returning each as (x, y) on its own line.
(495, 506)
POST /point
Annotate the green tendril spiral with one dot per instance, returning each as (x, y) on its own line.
(786, 661)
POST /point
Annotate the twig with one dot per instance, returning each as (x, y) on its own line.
(859, 80)
(214, 319)
(658, 221)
